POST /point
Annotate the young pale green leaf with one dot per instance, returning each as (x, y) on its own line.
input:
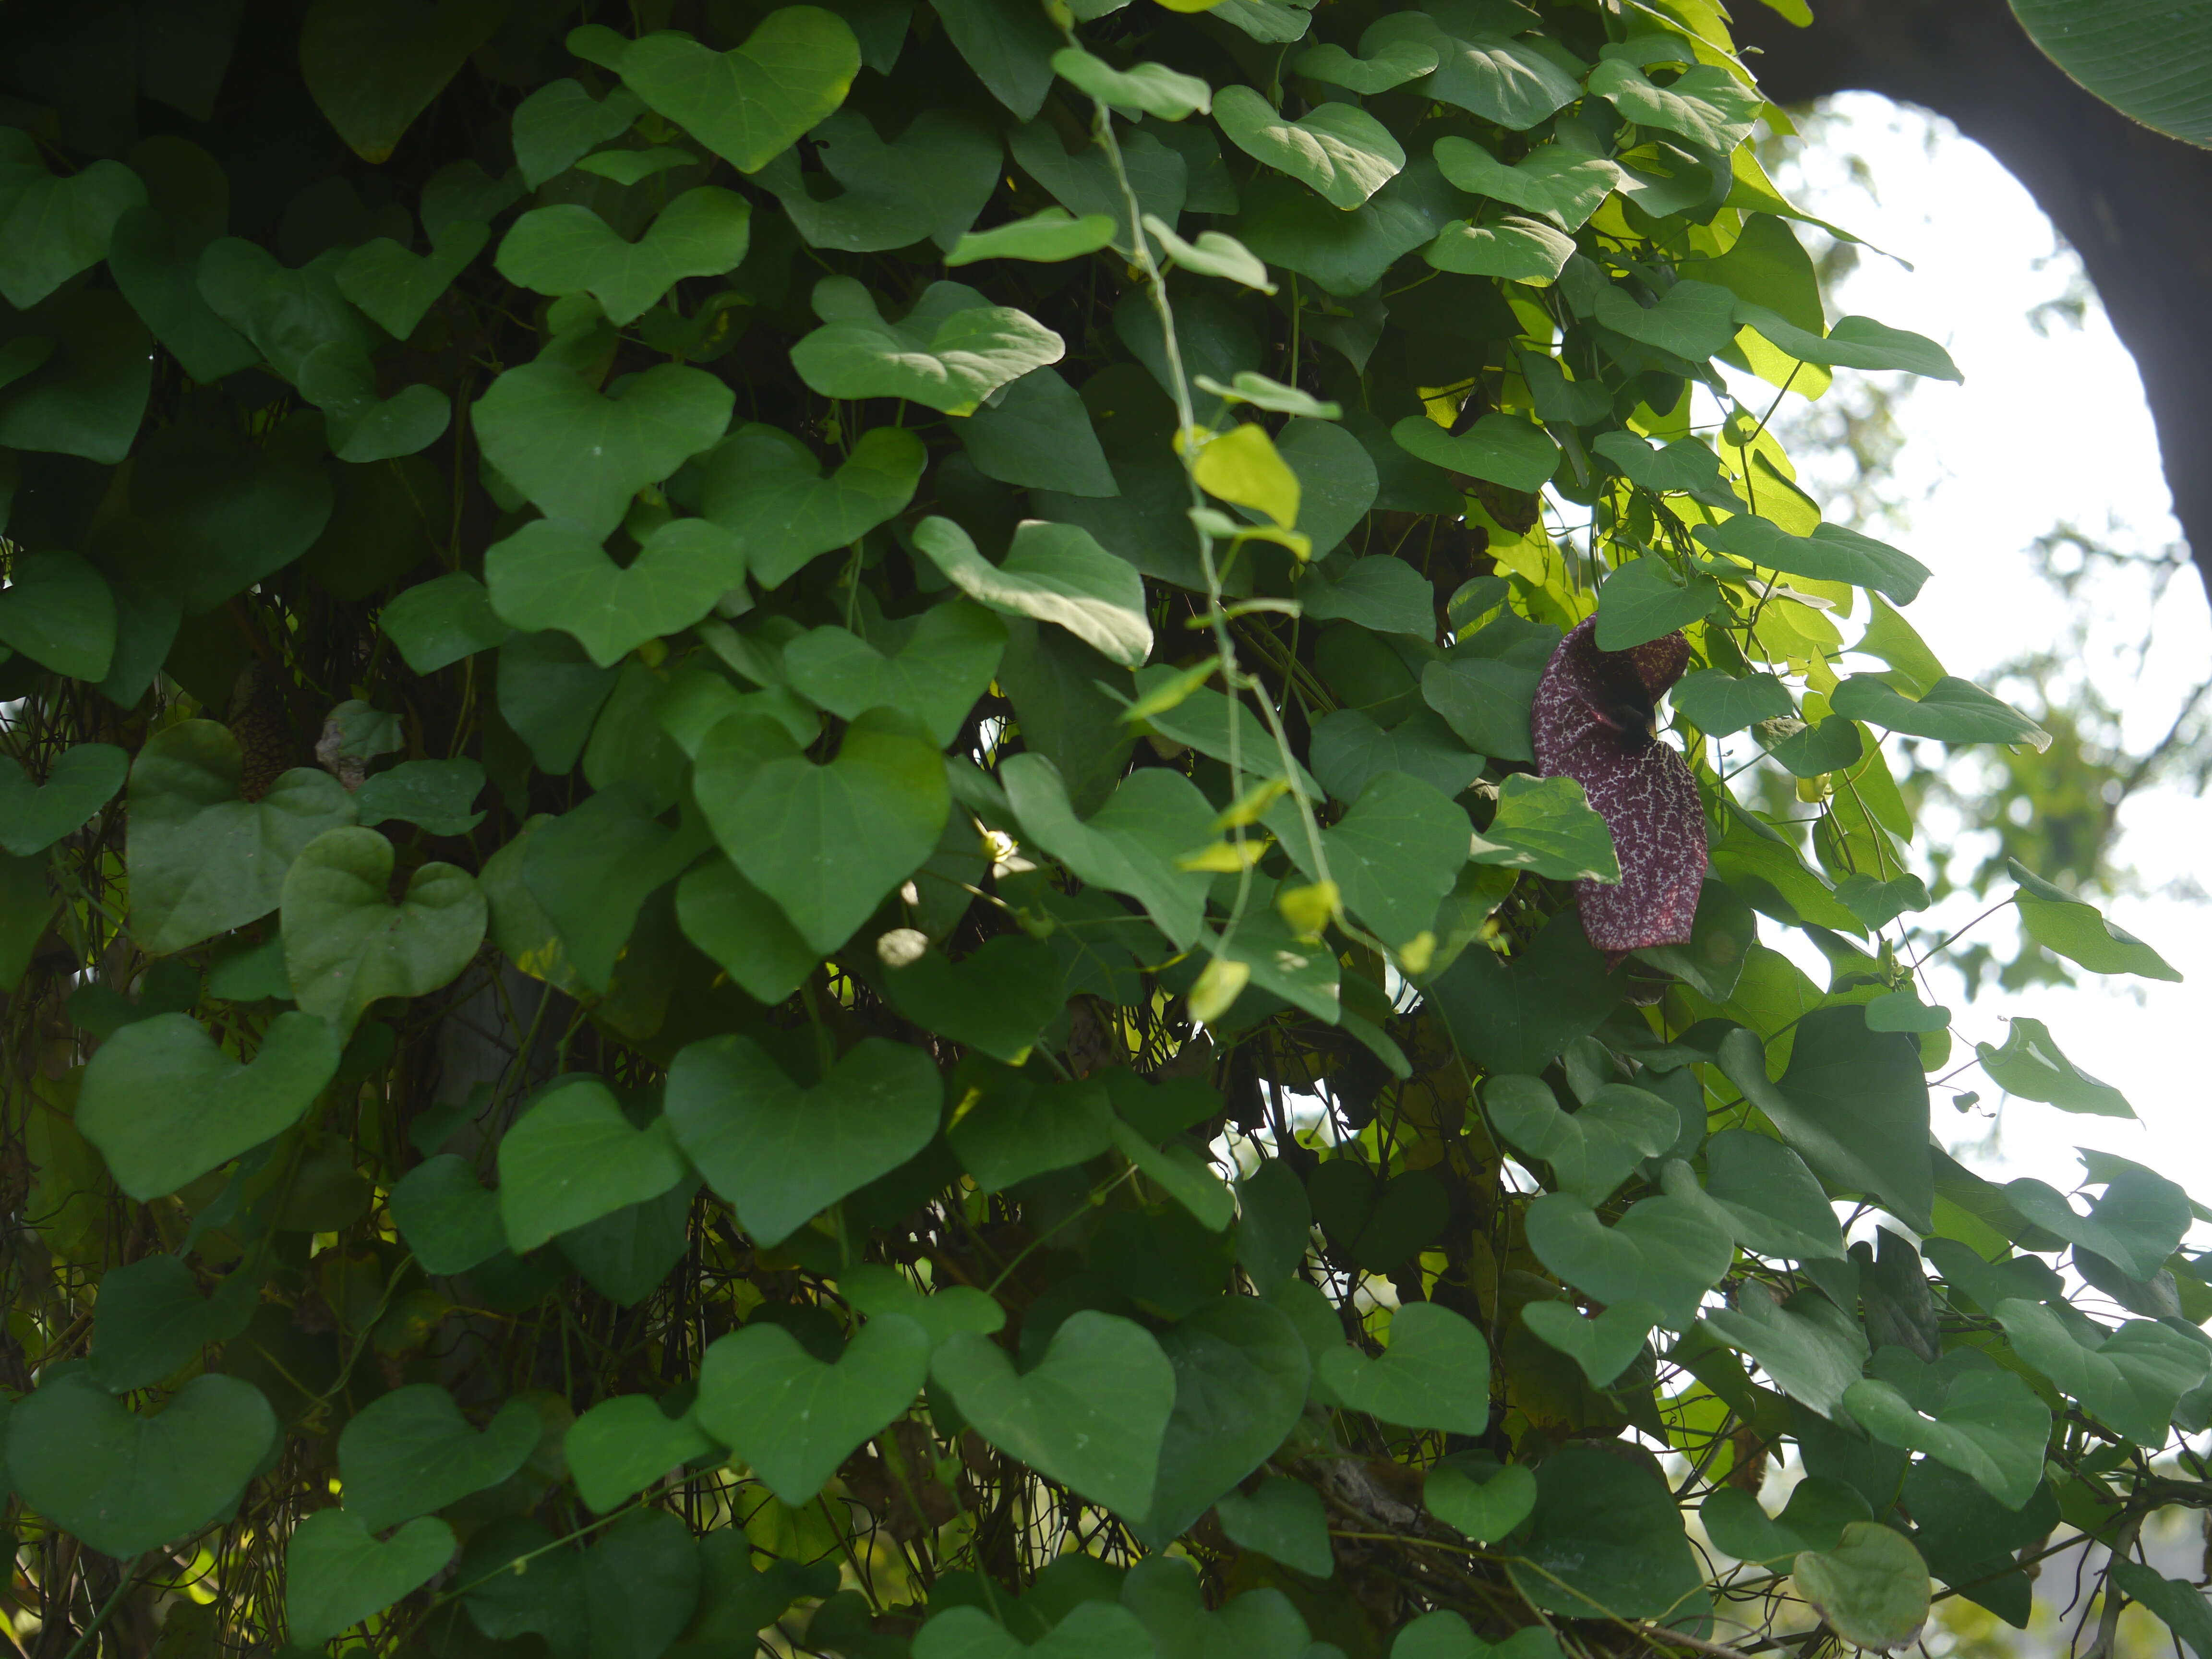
(125, 1483)
(410, 1451)
(346, 945)
(782, 1153)
(950, 353)
(1092, 1413)
(573, 1158)
(752, 103)
(794, 1419)
(164, 1104)
(337, 1574)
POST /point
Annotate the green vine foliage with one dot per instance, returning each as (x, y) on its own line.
(775, 869)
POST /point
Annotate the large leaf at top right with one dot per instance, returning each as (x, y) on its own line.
(2149, 59)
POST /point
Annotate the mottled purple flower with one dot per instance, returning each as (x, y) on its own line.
(1594, 719)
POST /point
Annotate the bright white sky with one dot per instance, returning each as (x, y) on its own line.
(2048, 428)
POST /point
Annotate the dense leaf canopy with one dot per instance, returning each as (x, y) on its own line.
(922, 828)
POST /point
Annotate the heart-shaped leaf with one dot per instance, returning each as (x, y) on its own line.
(1872, 1589)
(341, 381)
(1706, 105)
(1830, 553)
(1551, 179)
(1602, 1346)
(434, 794)
(878, 1290)
(1505, 449)
(2132, 1378)
(945, 666)
(155, 260)
(51, 228)
(437, 624)
(950, 352)
(125, 1483)
(1047, 236)
(89, 397)
(231, 516)
(794, 1419)
(1774, 1204)
(1392, 63)
(449, 1221)
(1813, 1519)
(164, 1104)
(581, 456)
(995, 1000)
(1039, 434)
(1130, 845)
(1284, 1519)
(622, 1446)
(561, 121)
(2078, 931)
(410, 1451)
(336, 1573)
(1012, 1126)
(1645, 601)
(1813, 1350)
(1092, 1630)
(573, 1158)
(58, 610)
(345, 945)
(1091, 1414)
(1720, 705)
(780, 1153)
(1481, 68)
(568, 249)
(374, 65)
(396, 286)
(33, 817)
(825, 842)
(1663, 1251)
(1486, 1510)
(930, 182)
(1241, 1372)
(765, 484)
(1953, 711)
(1591, 1152)
(1339, 150)
(1984, 1422)
(1055, 573)
(1547, 825)
(554, 574)
(2032, 1065)
(750, 104)
(152, 1320)
(2138, 1222)
(1434, 1374)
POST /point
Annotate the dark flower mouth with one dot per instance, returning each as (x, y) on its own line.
(1594, 719)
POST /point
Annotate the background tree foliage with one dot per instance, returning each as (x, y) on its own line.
(775, 868)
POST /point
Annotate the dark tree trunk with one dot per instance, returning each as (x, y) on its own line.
(2136, 205)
